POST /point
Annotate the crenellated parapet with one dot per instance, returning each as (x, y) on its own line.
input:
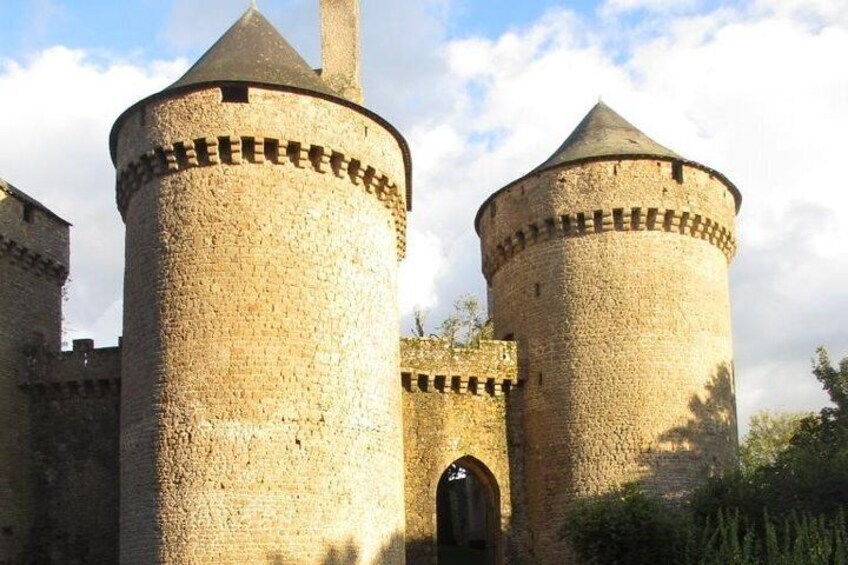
(82, 372)
(433, 365)
(581, 224)
(261, 150)
(31, 260)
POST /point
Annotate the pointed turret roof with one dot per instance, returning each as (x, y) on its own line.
(604, 133)
(253, 51)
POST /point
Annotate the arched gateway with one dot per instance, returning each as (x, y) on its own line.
(468, 514)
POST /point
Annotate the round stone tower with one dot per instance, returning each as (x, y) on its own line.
(608, 264)
(261, 411)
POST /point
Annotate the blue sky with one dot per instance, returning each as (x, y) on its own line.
(133, 27)
(484, 90)
(130, 25)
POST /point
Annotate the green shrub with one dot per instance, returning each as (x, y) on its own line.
(625, 526)
(628, 526)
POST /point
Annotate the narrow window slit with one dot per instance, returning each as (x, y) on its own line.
(235, 93)
(677, 171)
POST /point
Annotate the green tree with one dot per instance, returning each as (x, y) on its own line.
(467, 325)
(769, 434)
(626, 526)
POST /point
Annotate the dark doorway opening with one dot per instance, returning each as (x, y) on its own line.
(467, 514)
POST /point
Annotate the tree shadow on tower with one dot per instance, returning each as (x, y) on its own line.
(686, 456)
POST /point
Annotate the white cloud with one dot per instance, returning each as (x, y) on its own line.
(612, 7)
(418, 274)
(758, 93)
(757, 90)
(57, 109)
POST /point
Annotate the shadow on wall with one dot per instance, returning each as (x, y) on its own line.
(706, 446)
(349, 554)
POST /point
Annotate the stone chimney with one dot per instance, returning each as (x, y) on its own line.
(340, 57)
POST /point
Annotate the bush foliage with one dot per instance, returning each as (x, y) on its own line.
(789, 509)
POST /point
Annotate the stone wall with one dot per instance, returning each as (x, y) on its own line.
(261, 412)
(75, 400)
(612, 277)
(340, 51)
(456, 402)
(33, 268)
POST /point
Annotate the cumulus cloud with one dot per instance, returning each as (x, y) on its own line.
(57, 108)
(757, 92)
(754, 89)
(612, 7)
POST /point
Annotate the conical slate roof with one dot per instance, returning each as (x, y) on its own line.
(253, 51)
(603, 133)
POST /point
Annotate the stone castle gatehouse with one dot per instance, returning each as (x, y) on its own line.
(261, 406)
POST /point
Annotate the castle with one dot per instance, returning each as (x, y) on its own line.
(262, 407)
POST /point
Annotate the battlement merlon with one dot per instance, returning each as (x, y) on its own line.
(31, 234)
(433, 365)
(83, 370)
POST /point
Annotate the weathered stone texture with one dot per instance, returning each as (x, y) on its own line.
(75, 398)
(33, 267)
(454, 407)
(340, 51)
(622, 317)
(261, 413)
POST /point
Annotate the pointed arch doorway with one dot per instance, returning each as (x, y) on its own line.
(468, 514)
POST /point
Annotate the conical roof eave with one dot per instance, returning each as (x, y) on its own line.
(253, 51)
(604, 133)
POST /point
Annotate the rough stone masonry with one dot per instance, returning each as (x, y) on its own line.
(261, 406)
